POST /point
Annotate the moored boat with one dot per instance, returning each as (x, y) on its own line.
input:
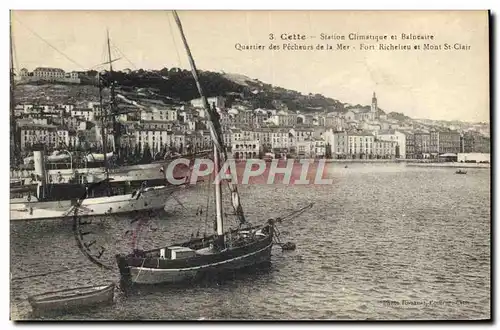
(152, 198)
(461, 172)
(71, 299)
(54, 201)
(198, 258)
(224, 251)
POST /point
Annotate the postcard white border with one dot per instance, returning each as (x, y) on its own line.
(200, 4)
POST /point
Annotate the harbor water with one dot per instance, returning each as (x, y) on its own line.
(382, 242)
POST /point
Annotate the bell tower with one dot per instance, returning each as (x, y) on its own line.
(374, 108)
(374, 103)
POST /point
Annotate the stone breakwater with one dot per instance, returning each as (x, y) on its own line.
(457, 165)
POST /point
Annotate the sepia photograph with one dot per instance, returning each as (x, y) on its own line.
(250, 165)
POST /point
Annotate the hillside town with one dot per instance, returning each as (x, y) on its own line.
(153, 128)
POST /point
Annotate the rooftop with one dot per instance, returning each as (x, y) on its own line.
(82, 109)
(49, 70)
(387, 132)
(150, 122)
(37, 126)
(360, 134)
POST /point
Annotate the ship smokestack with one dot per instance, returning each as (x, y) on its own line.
(40, 172)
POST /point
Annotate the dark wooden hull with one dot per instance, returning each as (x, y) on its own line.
(152, 269)
(72, 299)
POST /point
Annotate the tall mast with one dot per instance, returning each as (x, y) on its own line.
(116, 130)
(13, 126)
(218, 142)
(215, 132)
(103, 127)
(218, 194)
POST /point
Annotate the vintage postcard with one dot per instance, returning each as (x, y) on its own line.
(250, 165)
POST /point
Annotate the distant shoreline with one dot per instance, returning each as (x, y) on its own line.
(456, 165)
(411, 162)
(362, 161)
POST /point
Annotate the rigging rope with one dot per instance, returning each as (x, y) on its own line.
(104, 56)
(173, 40)
(123, 55)
(14, 54)
(295, 213)
(49, 44)
(213, 124)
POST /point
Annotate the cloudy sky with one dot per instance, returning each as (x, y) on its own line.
(450, 85)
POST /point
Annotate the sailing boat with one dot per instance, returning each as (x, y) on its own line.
(63, 165)
(247, 246)
(57, 200)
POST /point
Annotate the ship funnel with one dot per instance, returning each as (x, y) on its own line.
(39, 160)
(40, 172)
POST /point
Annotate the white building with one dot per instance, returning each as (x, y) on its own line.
(87, 114)
(305, 148)
(360, 145)
(394, 136)
(301, 134)
(49, 74)
(384, 149)
(473, 157)
(245, 149)
(49, 135)
(280, 139)
(319, 148)
(219, 101)
(159, 115)
(156, 139)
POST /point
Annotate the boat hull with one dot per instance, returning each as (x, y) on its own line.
(122, 173)
(153, 198)
(201, 259)
(67, 300)
(144, 275)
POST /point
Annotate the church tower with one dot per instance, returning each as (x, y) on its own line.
(374, 108)
(374, 103)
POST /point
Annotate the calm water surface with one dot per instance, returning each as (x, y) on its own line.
(418, 237)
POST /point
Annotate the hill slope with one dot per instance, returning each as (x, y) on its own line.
(179, 85)
(55, 93)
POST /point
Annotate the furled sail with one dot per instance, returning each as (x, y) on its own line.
(58, 157)
(216, 133)
(214, 127)
(98, 157)
(55, 157)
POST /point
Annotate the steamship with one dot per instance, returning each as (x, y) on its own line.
(47, 200)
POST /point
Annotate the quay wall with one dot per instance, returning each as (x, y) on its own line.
(457, 165)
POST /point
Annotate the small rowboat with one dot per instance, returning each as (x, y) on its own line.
(75, 298)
